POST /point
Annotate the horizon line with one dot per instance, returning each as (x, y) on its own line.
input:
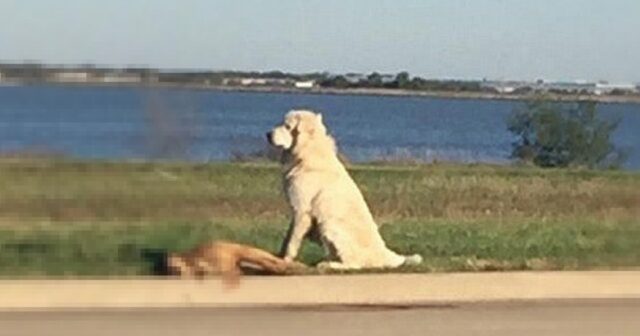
(212, 69)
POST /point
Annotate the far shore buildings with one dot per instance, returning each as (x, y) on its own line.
(121, 77)
(573, 87)
(606, 88)
(257, 81)
(267, 81)
(115, 77)
(310, 84)
(358, 78)
(70, 77)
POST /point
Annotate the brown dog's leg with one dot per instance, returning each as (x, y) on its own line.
(268, 262)
(229, 270)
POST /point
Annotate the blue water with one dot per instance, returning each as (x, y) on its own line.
(140, 123)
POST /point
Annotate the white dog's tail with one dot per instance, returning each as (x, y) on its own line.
(412, 260)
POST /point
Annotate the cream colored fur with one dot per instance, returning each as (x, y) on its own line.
(324, 197)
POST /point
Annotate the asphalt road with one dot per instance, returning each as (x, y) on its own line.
(580, 317)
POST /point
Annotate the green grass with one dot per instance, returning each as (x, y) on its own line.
(138, 249)
(101, 218)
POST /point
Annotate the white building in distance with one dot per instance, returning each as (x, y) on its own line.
(121, 77)
(305, 84)
(71, 77)
(604, 88)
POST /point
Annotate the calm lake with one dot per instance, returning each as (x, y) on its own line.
(198, 125)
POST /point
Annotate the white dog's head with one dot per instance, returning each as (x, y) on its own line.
(298, 127)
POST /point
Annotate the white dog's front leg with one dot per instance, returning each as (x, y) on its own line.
(297, 230)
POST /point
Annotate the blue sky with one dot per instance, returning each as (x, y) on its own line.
(496, 39)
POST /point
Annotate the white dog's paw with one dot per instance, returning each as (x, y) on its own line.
(412, 260)
(323, 266)
(331, 265)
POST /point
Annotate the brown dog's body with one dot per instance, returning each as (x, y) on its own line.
(225, 258)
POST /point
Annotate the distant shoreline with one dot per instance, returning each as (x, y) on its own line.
(431, 94)
(635, 99)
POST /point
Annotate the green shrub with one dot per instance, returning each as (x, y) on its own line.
(554, 134)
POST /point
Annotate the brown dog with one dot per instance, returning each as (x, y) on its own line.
(225, 259)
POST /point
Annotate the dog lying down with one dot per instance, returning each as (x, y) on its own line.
(229, 260)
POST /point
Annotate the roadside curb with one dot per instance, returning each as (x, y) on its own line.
(362, 289)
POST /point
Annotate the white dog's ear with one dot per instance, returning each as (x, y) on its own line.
(319, 116)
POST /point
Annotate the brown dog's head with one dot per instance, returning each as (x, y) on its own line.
(177, 265)
(297, 128)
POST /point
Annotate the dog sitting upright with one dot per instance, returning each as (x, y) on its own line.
(227, 259)
(325, 200)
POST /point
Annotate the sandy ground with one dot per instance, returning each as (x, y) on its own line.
(575, 317)
(312, 290)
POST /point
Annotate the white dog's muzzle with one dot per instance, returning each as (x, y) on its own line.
(280, 137)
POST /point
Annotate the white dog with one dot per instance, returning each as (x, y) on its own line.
(323, 196)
